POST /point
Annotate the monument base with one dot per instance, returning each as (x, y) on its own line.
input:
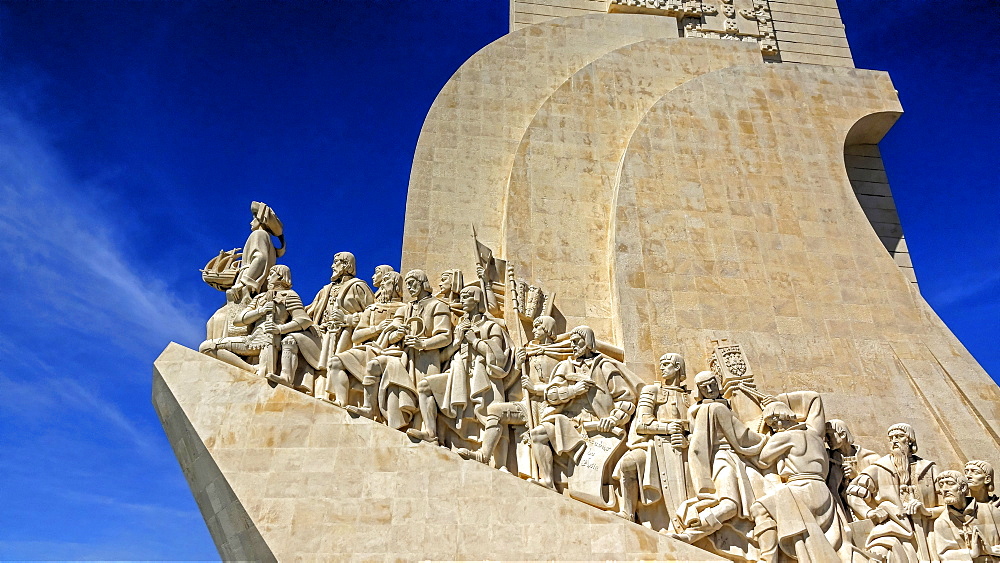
(279, 475)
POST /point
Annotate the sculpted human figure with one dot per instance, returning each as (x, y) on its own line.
(336, 311)
(897, 493)
(259, 253)
(719, 441)
(980, 476)
(226, 340)
(847, 461)
(653, 471)
(372, 322)
(535, 363)
(420, 328)
(450, 286)
(281, 324)
(588, 394)
(481, 361)
(967, 530)
(380, 271)
(801, 519)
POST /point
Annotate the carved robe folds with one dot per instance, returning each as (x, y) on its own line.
(572, 422)
(350, 297)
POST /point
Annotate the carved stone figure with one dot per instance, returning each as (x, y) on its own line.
(967, 530)
(847, 461)
(259, 253)
(226, 340)
(336, 310)
(898, 494)
(372, 323)
(281, 325)
(450, 287)
(801, 519)
(719, 441)
(535, 363)
(478, 375)
(588, 403)
(981, 481)
(653, 471)
(380, 271)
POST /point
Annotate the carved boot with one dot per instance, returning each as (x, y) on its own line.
(477, 455)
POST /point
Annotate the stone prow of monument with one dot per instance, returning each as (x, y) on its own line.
(279, 475)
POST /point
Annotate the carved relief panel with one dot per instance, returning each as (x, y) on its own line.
(735, 20)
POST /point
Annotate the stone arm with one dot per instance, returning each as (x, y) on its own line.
(861, 494)
(808, 408)
(645, 414)
(357, 299)
(250, 315)
(776, 447)
(622, 393)
(253, 263)
(440, 330)
(559, 391)
(365, 331)
(298, 320)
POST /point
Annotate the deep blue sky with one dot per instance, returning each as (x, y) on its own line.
(133, 136)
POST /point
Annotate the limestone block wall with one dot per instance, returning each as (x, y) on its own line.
(281, 475)
(871, 186)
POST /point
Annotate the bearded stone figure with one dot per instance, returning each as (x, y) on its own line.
(897, 493)
(967, 529)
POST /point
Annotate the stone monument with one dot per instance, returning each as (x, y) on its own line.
(654, 188)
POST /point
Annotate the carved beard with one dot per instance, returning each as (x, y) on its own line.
(901, 463)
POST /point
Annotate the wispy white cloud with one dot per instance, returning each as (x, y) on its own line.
(65, 255)
(966, 286)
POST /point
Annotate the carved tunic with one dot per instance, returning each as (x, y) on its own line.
(350, 296)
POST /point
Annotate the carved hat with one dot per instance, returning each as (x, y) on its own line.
(270, 223)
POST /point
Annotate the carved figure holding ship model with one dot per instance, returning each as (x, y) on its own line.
(535, 364)
(653, 474)
(587, 404)
(897, 493)
(259, 252)
(336, 311)
(281, 326)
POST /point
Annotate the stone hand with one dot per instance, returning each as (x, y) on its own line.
(914, 506)
(271, 328)
(337, 316)
(520, 355)
(415, 342)
(606, 424)
(267, 308)
(526, 383)
(581, 387)
(384, 325)
(849, 472)
(878, 515)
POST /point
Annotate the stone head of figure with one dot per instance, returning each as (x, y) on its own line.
(390, 286)
(953, 488)
(778, 416)
(265, 218)
(417, 284)
(672, 370)
(279, 277)
(838, 435)
(543, 329)
(344, 265)
(980, 476)
(472, 300)
(379, 272)
(706, 386)
(902, 439)
(450, 283)
(583, 340)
